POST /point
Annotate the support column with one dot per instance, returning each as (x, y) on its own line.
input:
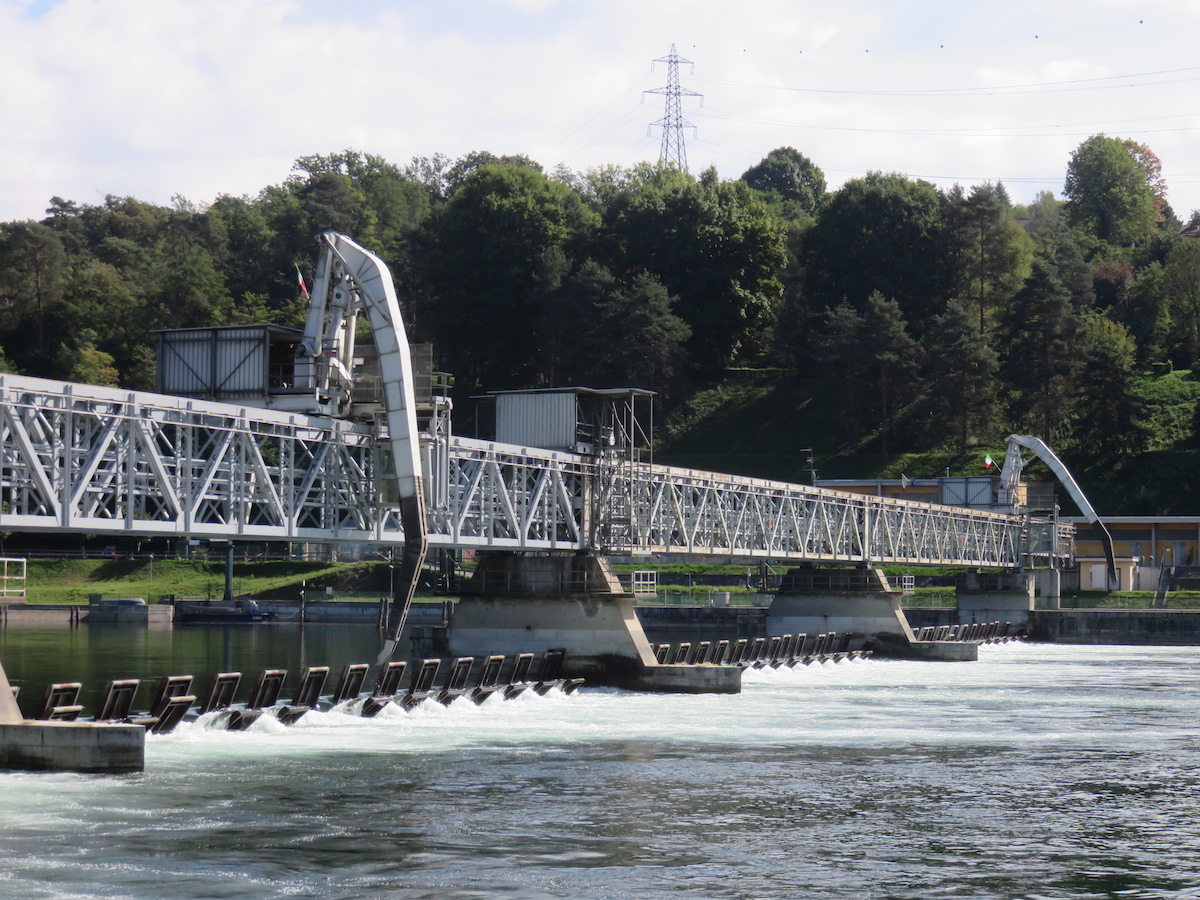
(1050, 588)
(854, 601)
(1001, 596)
(531, 604)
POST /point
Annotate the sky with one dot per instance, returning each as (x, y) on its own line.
(158, 99)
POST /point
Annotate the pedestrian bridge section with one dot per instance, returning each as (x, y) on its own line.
(100, 460)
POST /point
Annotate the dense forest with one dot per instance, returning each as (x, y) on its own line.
(887, 322)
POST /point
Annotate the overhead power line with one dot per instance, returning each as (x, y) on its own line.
(1105, 82)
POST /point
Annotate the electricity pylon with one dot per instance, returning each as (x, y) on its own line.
(673, 122)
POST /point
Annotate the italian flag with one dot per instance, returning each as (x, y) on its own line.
(905, 481)
(300, 280)
(988, 462)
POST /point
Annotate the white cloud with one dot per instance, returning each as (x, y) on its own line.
(201, 97)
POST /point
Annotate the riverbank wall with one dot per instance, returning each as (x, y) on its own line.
(698, 623)
(283, 612)
(1163, 627)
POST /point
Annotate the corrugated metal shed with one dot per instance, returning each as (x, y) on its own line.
(978, 491)
(547, 420)
(237, 362)
(575, 419)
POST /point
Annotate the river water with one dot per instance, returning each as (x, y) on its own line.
(1040, 771)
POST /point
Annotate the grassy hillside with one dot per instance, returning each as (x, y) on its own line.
(755, 425)
(73, 580)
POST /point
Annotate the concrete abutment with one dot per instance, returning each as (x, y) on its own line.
(66, 746)
(531, 604)
(855, 601)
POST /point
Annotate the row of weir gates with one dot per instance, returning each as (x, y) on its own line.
(802, 649)
(397, 684)
(408, 686)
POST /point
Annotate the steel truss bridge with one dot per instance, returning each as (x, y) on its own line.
(81, 458)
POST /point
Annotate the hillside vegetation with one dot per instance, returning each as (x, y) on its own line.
(752, 426)
(889, 325)
(74, 580)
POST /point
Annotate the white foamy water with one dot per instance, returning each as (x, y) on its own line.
(1039, 771)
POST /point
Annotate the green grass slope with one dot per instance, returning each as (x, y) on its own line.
(757, 425)
(74, 580)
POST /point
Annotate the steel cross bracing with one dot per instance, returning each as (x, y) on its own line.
(104, 461)
(663, 509)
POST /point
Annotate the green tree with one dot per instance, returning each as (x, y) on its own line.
(110, 314)
(714, 246)
(877, 362)
(394, 202)
(191, 291)
(892, 360)
(960, 374)
(1040, 354)
(91, 366)
(497, 251)
(997, 254)
(251, 257)
(1111, 191)
(790, 181)
(606, 333)
(1056, 245)
(1181, 284)
(33, 267)
(461, 168)
(1107, 411)
(1148, 315)
(880, 233)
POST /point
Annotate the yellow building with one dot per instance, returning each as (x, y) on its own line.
(976, 492)
(1142, 545)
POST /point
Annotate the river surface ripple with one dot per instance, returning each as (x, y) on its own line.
(1041, 771)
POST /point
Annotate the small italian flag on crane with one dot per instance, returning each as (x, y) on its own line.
(988, 462)
(300, 281)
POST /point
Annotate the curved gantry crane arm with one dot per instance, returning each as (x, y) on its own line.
(350, 278)
(1010, 479)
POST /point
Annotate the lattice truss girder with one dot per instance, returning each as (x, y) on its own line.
(82, 458)
(664, 509)
(504, 496)
(102, 461)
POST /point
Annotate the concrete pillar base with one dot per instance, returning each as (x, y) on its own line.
(1004, 597)
(805, 606)
(868, 614)
(518, 604)
(893, 647)
(72, 746)
(66, 746)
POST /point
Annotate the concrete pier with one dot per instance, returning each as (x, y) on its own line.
(66, 746)
(1003, 596)
(531, 604)
(72, 746)
(854, 601)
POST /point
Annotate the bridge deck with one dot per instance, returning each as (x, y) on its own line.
(97, 460)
